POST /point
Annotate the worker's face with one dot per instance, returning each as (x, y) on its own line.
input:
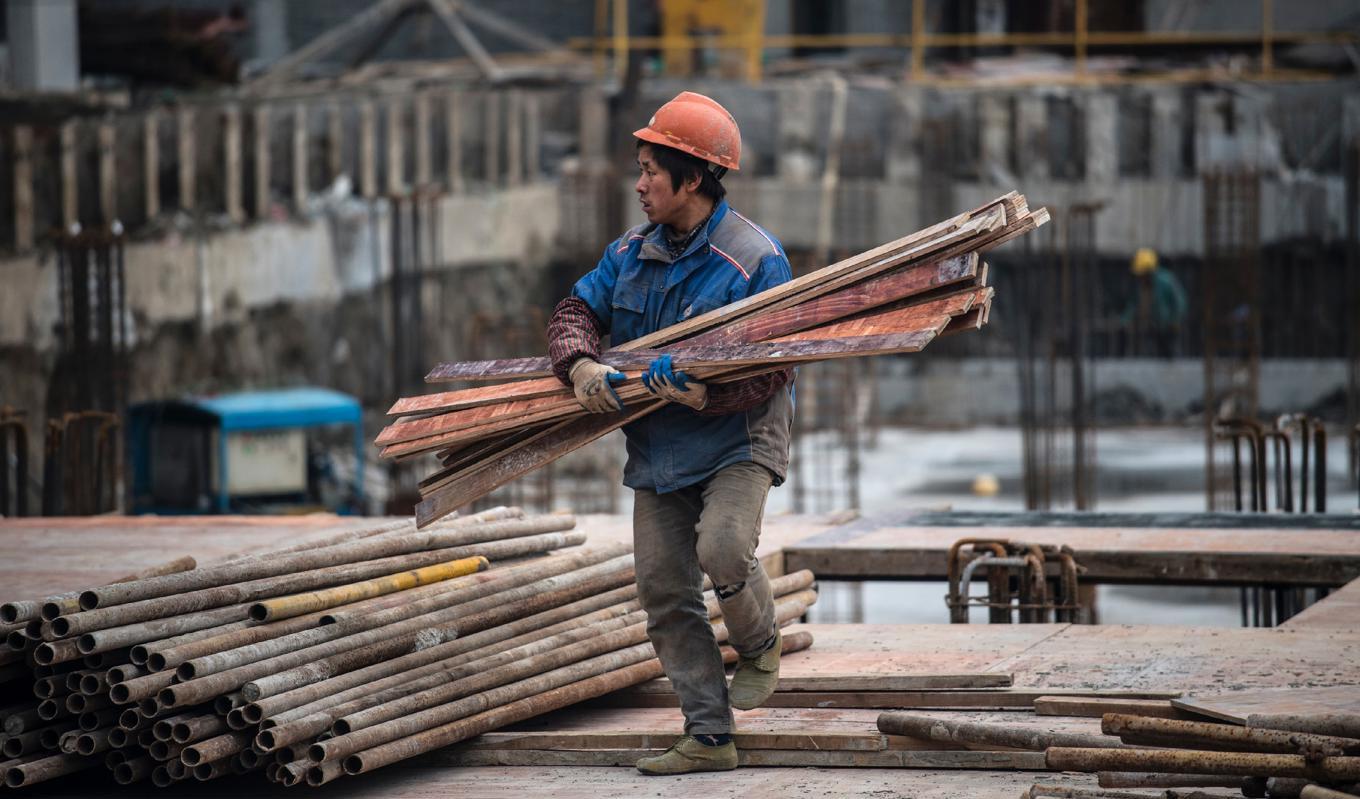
(660, 202)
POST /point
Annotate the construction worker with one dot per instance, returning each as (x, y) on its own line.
(700, 466)
(1158, 308)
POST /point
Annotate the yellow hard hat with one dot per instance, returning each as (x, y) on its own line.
(1144, 261)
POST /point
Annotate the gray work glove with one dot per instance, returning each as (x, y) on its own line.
(593, 383)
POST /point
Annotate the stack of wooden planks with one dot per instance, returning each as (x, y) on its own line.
(895, 298)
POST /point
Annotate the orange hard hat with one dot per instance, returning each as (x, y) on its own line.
(698, 125)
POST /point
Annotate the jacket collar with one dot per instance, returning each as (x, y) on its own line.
(654, 245)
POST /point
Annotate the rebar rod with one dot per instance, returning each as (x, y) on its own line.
(428, 629)
(1211, 735)
(351, 552)
(1244, 764)
(526, 707)
(434, 707)
(204, 598)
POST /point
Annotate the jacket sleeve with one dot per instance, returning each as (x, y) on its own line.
(743, 395)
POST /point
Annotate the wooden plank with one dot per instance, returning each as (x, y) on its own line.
(300, 156)
(820, 740)
(262, 161)
(962, 226)
(1339, 610)
(108, 177)
(555, 443)
(869, 683)
(151, 162)
(368, 156)
(70, 202)
(906, 759)
(23, 187)
(1095, 707)
(231, 163)
(761, 327)
(187, 153)
(811, 344)
(1236, 707)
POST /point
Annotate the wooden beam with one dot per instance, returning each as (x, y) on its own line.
(231, 158)
(70, 201)
(444, 9)
(368, 156)
(300, 157)
(335, 37)
(262, 161)
(108, 177)
(151, 162)
(187, 142)
(508, 29)
(23, 187)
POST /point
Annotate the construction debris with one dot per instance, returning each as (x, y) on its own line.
(896, 298)
(403, 642)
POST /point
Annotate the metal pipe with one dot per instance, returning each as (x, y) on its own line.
(248, 633)
(130, 771)
(215, 596)
(457, 596)
(299, 703)
(30, 610)
(933, 728)
(197, 728)
(1343, 725)
(154, 628)
(298, 604)
(1246, 764)
(48, 768)
(1319, 792)
(163, 729)
(351, 552)
(1210, 735)
(418, 629)
(431, 708)
(92, 743)
(215, 748)
(526, 707)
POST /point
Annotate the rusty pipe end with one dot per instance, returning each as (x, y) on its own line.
(50, 610)
(86, 643)
(120, 694)
(9, 612)
(138, 655)
(252, 713)
(89, 600)
(316, 753)
(166, 698)
(85, 745)
(61, 626)
(259, 612)
(185, 671)
(354, 764)
(45, 654)
(236, 720)
(264, 742)
(340, 727)
(190, 756)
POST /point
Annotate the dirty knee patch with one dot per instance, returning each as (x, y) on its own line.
(728, 591)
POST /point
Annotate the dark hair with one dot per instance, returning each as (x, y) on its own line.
(683, 167)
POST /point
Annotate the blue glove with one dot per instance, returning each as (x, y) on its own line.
(661, 368)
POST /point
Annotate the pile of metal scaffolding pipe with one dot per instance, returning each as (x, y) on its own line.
(187, 685)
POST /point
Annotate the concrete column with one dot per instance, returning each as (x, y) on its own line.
(593, 129)
(1031, 131)
(1165, 134)
(904, 135)
(1212, 145)
(994, 138)
(44, 45)
(798, 132)
(268, 30)
(1102, 150)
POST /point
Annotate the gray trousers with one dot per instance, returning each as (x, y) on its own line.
(710, 528)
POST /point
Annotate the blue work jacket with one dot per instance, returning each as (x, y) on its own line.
(636, 289)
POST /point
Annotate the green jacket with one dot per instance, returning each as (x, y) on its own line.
(1168, 303)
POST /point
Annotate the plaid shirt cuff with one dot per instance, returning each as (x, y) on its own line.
(743, 395)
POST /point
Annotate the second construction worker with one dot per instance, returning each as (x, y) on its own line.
(701, 465)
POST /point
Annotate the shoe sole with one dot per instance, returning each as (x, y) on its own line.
(696, 770)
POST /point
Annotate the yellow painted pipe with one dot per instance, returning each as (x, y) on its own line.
(286, 607)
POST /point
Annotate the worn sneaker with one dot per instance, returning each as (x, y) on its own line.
(756, 677)
(688, 755)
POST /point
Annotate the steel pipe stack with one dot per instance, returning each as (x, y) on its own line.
(322, 659)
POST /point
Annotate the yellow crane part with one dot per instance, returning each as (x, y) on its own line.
(286, 607)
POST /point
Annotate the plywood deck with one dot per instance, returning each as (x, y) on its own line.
(1320, 648)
